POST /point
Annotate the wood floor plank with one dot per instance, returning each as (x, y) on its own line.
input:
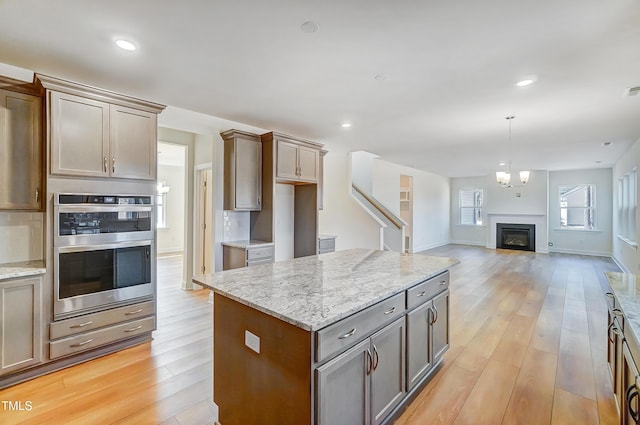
(532, 399)
(527, 348)
(488, 399)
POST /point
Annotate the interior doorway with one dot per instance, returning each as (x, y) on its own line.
(203, 226)
(406, 210)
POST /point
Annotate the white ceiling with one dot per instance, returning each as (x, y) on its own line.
(449, 68)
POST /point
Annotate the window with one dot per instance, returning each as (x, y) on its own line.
(161, 205)
(577, 207)
(471, 207)
(627, 204)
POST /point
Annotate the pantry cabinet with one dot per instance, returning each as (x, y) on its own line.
(96, 133)
(21, 177)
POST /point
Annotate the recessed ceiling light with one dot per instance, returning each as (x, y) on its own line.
(346, 125)
(524, 82)
(126, 45)
(607, 144)
(309, 27)
(598, 162)
(380, 77)
(502, 163)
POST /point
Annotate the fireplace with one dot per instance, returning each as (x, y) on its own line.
(516, 236)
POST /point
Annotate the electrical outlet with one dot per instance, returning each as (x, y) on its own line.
(252, 341)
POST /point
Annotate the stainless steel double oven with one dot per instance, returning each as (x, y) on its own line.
(104, 253)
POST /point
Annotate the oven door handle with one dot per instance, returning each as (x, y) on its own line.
(103, 208)
(100, 246)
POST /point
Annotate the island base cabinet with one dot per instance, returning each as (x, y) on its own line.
(427, 337)
(343, 391)
(365, 383)
(440, 326)
(261, 367)
(630, 413)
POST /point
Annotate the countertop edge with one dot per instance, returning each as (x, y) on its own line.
(21, 269)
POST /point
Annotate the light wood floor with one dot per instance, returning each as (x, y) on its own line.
(527, 347)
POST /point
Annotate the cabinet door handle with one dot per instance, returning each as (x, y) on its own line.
(609, 332)
(105, 164)
(421, 294)
(82, 325)
(617, 312)
(434, 310)
(369, 362)
(348, 334)
(133, 329)
(113, 165)
(131, 313)
(391, 310)
(377, 357)
(37, 195)
(631, 393)
(80, 344)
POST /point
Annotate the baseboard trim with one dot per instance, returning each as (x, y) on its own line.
(581, 252)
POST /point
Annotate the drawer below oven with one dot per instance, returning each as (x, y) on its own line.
(93, 339)
(89, 322)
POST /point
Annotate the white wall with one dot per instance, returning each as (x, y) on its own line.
(625, 255)
(461, 233)
(342, 216)
(22, 236)
(361, 170)
(590, 242)
(431, 201)
(171, 238)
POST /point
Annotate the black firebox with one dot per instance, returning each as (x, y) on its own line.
(516, 236)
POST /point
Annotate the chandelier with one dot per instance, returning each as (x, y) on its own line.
(504, 177)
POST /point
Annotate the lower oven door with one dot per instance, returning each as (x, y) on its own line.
(94, 277)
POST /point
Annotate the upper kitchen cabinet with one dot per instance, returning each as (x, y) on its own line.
(21, 147)
(97, 133)
(297, 160)
(242, 171)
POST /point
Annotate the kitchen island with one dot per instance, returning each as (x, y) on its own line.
(345, 337)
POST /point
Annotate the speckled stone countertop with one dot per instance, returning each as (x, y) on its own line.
(316, 291)
(21, 269)
(626, 288)
(247, 244)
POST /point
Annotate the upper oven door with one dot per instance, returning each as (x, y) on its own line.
(89, 224)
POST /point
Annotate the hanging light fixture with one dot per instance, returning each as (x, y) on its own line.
(504, 177)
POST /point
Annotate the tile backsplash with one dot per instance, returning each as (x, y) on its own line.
(21, 236)
(236, 225)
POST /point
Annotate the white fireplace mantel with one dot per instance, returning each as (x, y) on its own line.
(540, 221)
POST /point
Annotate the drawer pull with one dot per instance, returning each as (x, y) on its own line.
(81, 325)
(391, 310)
(133, 329)
(609, 294)
(80, 344)
(421, 294)
(442, 282)
(131, 313)
(348, 334)
(617, 312)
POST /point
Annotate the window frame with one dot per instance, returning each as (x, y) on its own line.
(478, 207)
(627, 206)
(591, 209)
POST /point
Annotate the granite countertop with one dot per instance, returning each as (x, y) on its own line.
(315, 291)
(626, 288)
(247, 244)
(21, 269)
